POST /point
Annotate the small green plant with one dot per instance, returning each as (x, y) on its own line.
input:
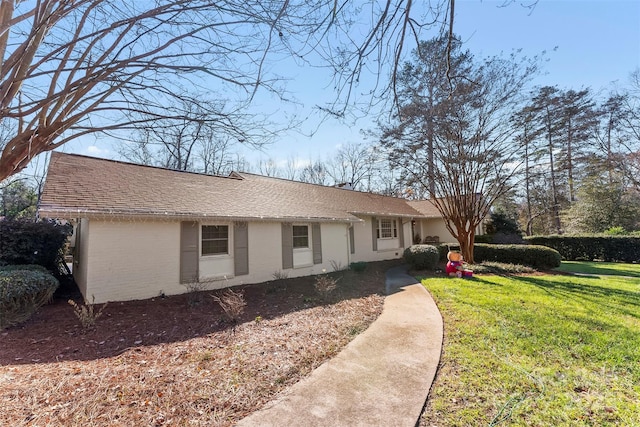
(232, 303)
(358, 267)
(258, 319)
(86, 313)
(325, 284)
(615, 231)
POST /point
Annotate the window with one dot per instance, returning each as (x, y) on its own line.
(387, 229)
(215, 239)
(300, 236)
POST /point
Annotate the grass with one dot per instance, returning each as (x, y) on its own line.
(544, 350)
(600, 268)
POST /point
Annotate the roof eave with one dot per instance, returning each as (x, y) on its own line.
(65, 213)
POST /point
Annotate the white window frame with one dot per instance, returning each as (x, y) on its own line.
(391, 230)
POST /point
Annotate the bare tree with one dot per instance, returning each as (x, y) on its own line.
(314, 173)
(201, 141)
(291, 168)
(72, 68)
(473, 154)
(216, 155)
(268, 167)
(352, 164)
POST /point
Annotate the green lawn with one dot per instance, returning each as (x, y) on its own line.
(549, 350)
(604, 268)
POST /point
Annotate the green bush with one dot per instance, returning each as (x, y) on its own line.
(22, 292)
(29, 267)
(32, 242)
(592, 247)
(358, 267)
(538, 257)
(422, 257)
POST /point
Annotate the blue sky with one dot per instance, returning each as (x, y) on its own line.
(588, 42)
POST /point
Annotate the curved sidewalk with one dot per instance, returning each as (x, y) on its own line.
(381, 378)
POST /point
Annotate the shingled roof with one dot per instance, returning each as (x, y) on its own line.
(426, 208)
(80, 186)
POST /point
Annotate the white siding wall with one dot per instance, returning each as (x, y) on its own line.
(132, 260)
(335, 247)
(265, 254)
(434, 227)
(387, 248)
(139, 260)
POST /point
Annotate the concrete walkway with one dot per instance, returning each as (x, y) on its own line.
(381, 378)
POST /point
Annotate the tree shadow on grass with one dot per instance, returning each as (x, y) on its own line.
(54, 333)
(588, 289)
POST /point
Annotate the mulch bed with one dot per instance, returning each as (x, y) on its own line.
(176, 360)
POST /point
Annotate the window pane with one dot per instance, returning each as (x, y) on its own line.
(215, 239)
(212, 247)
(300, 230)
(301, 242)
(300, 236)
(215, 231)
(385, 228)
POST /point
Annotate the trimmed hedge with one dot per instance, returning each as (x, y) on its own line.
(29, 267)
(32, 242)
(358, 267)
(536, 256)
(592, 247)
(23, 290)
(422, 257)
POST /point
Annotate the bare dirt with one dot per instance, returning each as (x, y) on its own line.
(178, 361)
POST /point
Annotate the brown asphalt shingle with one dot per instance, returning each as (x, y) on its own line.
(85, 186)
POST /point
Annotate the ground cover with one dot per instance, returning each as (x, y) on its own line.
(537, 350)
(171, 361)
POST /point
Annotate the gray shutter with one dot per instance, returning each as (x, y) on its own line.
(374, 230)
(241, 248)
(189, 256)
(316, 242)
(352, 240)
(287, 245)
(400, 232)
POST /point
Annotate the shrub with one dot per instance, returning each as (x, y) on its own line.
(337, 265)
(232, 303)
(86, 313)
(501, 268)
(280, 275)
(22, 292)
(358, 267)
(592, 247)
(536, 256)
(324, 285)
(422, 257)
(29, 267)
(32, 242)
